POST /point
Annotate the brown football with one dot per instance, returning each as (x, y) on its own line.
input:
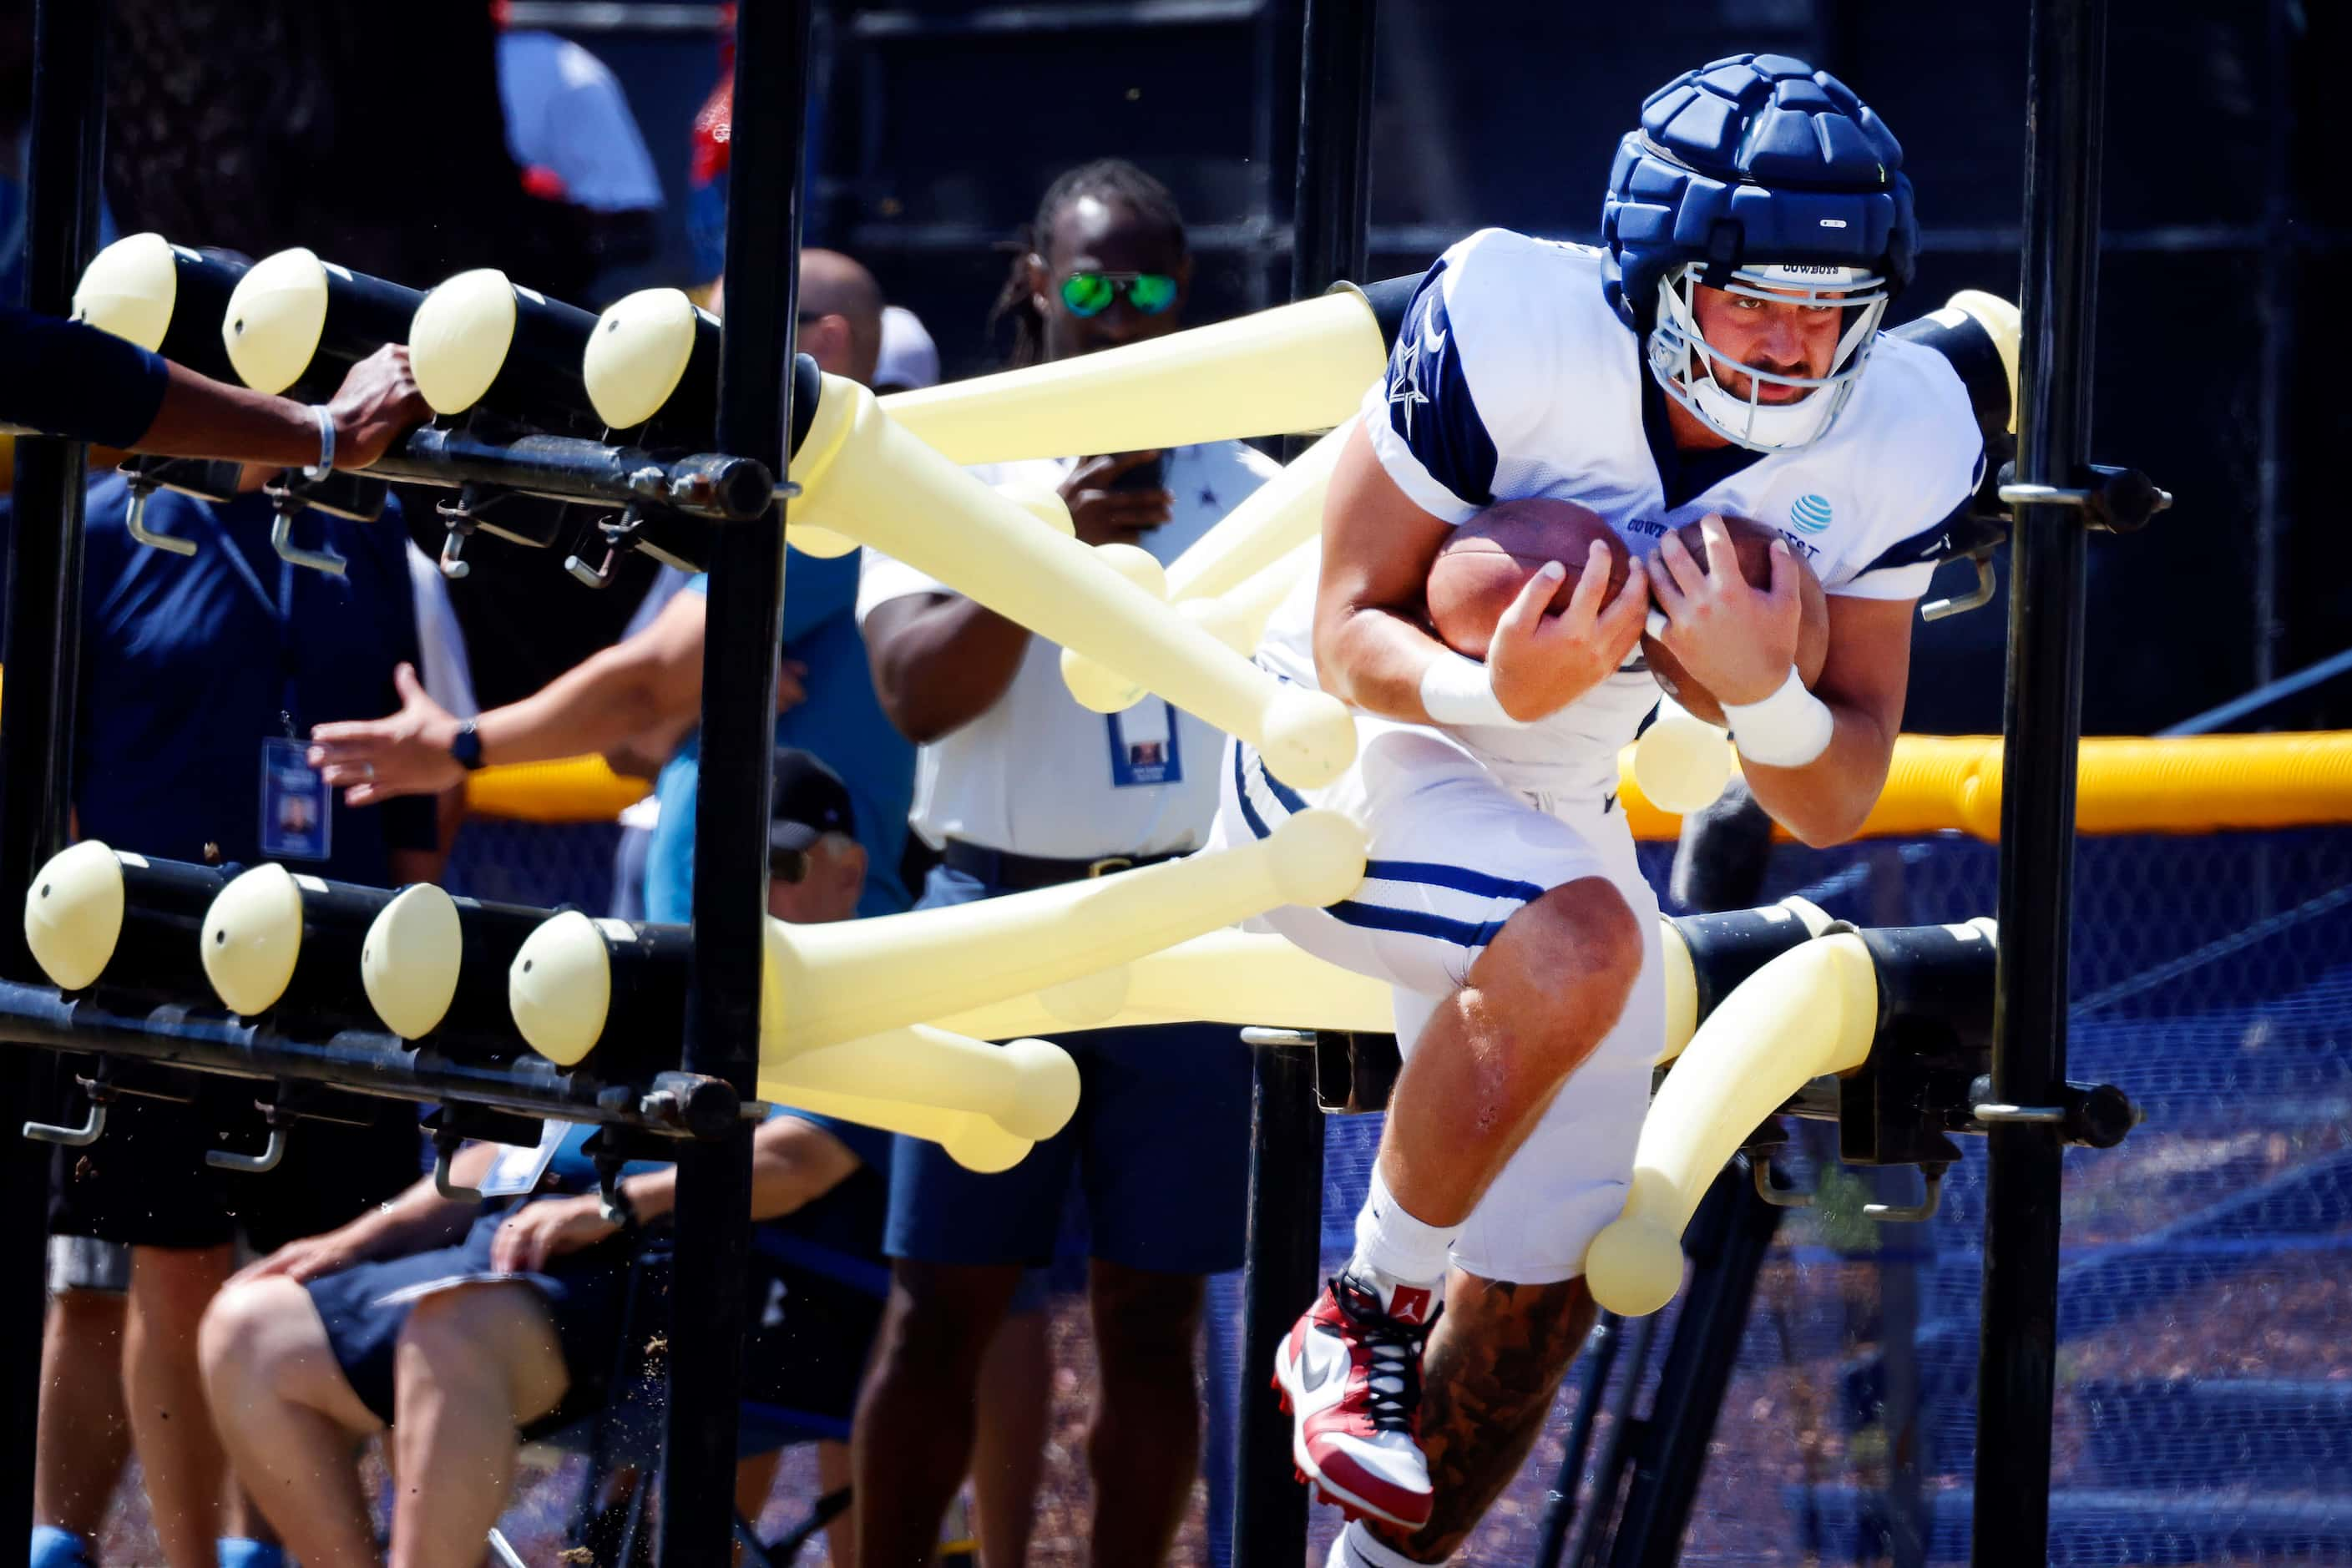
(1753, 541)
(1487, 560)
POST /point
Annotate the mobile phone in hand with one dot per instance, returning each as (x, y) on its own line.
(1146, 475)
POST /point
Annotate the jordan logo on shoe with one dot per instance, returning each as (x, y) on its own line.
(1410, 1304)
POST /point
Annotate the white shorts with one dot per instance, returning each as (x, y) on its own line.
(1454, 852)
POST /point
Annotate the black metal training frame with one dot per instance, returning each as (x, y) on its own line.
(36, 720)
(702, 1109)
(1286, 1192)
(732, 807)
(2056, 496)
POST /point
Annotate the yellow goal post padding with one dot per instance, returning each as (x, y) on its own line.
(2126, 784)
(2203, 784)
(1937, 784)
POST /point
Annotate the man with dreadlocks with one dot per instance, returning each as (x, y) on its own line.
(1020, 787)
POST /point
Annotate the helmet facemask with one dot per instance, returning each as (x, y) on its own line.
(1690, 369)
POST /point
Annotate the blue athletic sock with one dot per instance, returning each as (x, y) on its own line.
(54, 1548)
(235, 1553)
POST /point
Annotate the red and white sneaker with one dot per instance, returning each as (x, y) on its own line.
(1350, 1375)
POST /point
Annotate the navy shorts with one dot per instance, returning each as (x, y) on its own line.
(1158, 1150)
(587, 1295)
(810, 1313)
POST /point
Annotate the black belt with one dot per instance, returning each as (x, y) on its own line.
(1003, 868)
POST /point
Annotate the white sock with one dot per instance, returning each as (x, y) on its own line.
(1395, 1250)
(1358, 1547)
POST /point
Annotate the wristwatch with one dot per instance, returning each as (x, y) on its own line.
(466, 747)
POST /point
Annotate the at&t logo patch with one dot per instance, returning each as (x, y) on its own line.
(1811, 514)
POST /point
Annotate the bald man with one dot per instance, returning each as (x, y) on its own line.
(645, 693)
(840, 314)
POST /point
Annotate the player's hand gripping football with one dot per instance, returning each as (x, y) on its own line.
(1538, 663)
(1736, 641)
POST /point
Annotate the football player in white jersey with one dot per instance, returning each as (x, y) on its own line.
(1718, 354)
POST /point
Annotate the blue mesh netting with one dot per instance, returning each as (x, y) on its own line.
(2205, 1404)
(2204, 1398)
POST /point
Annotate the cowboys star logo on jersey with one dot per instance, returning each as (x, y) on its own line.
(1413, 353)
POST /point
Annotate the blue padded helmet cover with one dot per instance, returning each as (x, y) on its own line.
(1754, 160)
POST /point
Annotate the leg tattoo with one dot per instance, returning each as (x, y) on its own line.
(1494, 1366)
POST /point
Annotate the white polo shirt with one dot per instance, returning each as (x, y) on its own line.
(1036, 773)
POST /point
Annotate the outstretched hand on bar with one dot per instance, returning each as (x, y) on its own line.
(377, 403)
(200, 417)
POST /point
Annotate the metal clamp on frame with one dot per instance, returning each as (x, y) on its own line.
(693, 1104)
(1976, 537)
(2091, 1116)
(1354, 1073)
(142, 489)
(201, 478)
(453, 1125)
(359, 498)
(1771, 1192)
(295, 1101)
(605, 1152)
(282, 535)
(101, 1095)
(1931, 1199)
(253, 1164)
(2112, 500)
(446, 1142)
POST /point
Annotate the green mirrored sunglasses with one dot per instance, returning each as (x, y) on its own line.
(1091, 293)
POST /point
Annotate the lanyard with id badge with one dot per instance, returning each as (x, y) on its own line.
(298, 818)
(517, 1171)
(1144, 748)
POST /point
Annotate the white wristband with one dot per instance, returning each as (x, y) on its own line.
(1787, 730)
(326, 463)
(1455, 690)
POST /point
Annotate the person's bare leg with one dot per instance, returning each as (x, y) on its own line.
(1486, 1067)
(245, 1520)
(911, 1441)
(85, 1432)
(832, 1473)
(1494, 1367)
(1008, 1455)
(474, 1364)
(1144, 1445)
(289, 1421)
(1540, 998)
(185, 1469)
